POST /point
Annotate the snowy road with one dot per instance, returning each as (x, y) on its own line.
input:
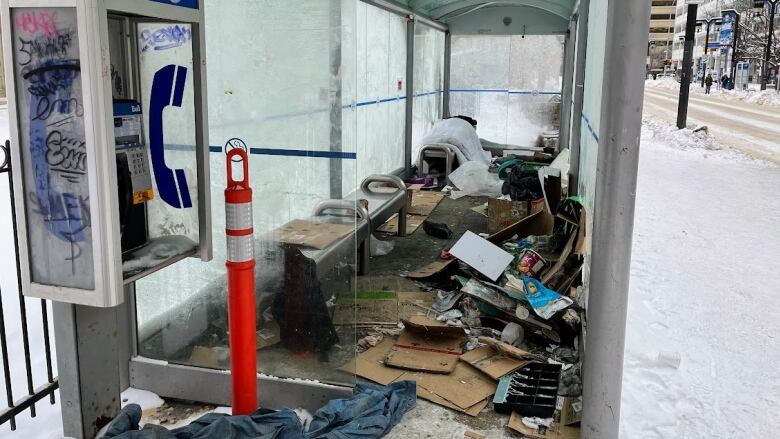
(753, 129)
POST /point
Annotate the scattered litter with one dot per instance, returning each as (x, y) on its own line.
(437, 230)
(477, 290)
(513, 334)
(492, 363)
(544, 301)
(482, 209)
(670, 360)
(535, 423)
(482, 255)
(426, 345)
(531, 391)
(381, 248)
(555, 431)
(446, 301)
(473, 179)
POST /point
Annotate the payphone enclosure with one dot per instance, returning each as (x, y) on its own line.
(107, 103)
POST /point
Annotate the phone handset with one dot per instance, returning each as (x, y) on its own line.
(167, 90)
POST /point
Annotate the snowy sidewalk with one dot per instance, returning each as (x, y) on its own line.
(701, 357)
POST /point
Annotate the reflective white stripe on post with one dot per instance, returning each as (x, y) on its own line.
(240, 248)
(238, 216)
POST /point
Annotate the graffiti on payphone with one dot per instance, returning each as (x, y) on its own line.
(51, 114)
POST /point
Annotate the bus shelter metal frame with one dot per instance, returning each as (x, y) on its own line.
(619, 130)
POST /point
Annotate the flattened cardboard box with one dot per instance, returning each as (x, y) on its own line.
(381, 307)
(503, 213)
(425, 202)
(468, 388)
(426, 345)
(556, 431)
(311, 234)
(413, 222)
(492, 363)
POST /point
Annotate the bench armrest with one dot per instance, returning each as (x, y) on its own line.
(355, 208)
(379, 178)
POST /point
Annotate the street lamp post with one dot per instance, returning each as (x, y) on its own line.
(685, 80)
(707, 22)
(768, 52)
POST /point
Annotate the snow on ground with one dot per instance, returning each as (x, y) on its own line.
(702, 307)
(769, 98)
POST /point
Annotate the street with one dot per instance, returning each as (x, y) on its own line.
(749, 128)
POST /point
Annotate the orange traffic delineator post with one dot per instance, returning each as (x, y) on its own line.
(241, 286)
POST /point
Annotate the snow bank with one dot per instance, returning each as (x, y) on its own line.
(769, 98)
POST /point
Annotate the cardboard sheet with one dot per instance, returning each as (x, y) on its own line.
(430, 270)
(482, 255)
(503, 213)
(461, 386)
(381, 307)
(426, 345)
(311, 234)
(555, 431)
(425, 202)
(413, 222)
(491, 363)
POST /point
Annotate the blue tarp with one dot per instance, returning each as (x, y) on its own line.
(371, 413)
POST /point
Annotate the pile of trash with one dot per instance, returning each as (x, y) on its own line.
(506, 326)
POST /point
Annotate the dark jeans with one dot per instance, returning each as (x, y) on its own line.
(707, 91)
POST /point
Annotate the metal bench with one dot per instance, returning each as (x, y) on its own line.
(383, 202)
(438, 151)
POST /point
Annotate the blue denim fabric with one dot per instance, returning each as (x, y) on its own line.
(371, 413)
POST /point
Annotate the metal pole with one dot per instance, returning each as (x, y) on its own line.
(336, 115)
(568, 83)
(685, 83)
(622, 92)
(768, 51)
(578, 92)
(410, 24)
(87, 342)
(447, 74)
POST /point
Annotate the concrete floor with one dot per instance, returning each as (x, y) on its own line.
(427, 420)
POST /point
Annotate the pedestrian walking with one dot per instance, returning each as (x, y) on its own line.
(708, 83)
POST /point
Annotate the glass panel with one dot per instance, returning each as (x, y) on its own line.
(276, 88)
(155, 146)
(514, 97)
(377, 55)
(428, 80)
(50, 105)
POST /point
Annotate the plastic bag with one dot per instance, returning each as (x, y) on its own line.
(473, 179)
(543, 300)
(381, 248)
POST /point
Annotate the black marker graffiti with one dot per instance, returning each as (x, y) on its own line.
(66, 154)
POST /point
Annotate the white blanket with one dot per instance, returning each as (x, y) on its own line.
(458, 133)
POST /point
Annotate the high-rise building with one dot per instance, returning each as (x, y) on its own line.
(719, 61)
(662, 21)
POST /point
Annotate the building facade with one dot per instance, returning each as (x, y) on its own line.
(715, 60)
(662, 22)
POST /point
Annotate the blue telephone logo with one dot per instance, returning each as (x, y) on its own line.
(192, 4)
(167, 90)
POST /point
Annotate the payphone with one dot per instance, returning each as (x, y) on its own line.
(107, 102)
